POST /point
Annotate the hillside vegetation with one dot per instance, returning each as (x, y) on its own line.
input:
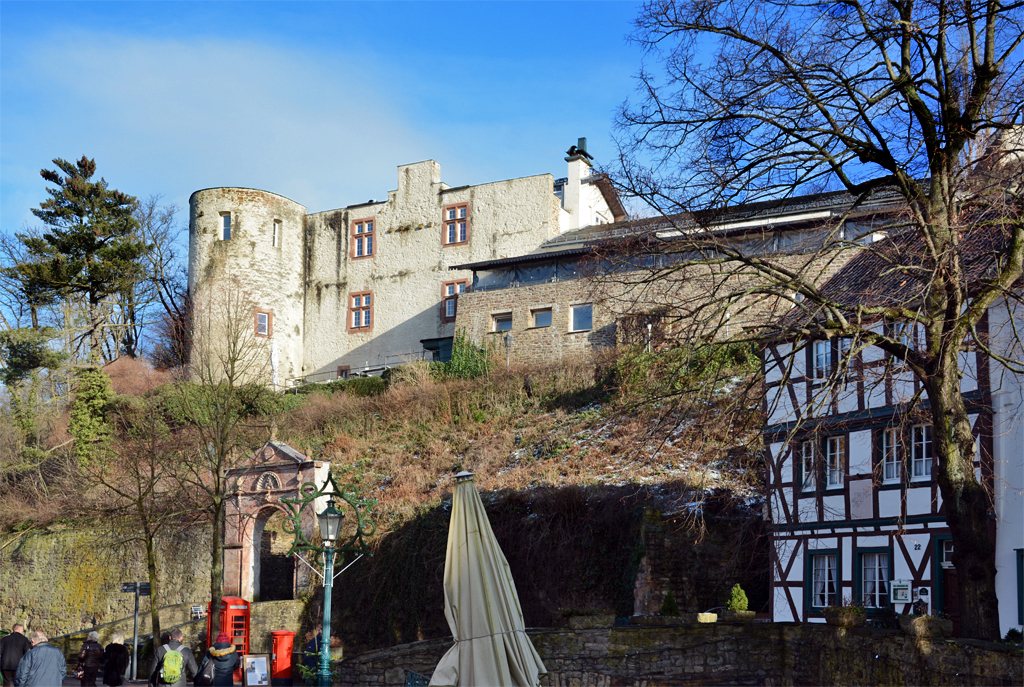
(570, 458)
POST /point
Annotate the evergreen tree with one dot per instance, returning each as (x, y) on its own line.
(91, 250)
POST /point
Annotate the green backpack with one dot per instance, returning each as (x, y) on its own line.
(171, 666)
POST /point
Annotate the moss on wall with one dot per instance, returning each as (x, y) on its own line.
(63, 579)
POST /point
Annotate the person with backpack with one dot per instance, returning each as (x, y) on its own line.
(225, 660)
(90, 658)
(171, 661)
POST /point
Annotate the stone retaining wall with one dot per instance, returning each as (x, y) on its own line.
(63, 579)
(726, 653)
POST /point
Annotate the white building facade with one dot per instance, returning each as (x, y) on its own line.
(361, 288)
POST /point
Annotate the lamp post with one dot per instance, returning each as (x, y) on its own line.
(330, 522)
(508, 351)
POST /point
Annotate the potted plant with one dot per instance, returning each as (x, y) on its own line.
(848, 614)
(736, 606)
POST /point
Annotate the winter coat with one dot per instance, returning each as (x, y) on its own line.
(90, 656)
(12, 648)
(225, 661)
(43, 666)
(115, 661)
(188, 663)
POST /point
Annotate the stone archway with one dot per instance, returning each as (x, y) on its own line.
(256, 566)
(273, 572)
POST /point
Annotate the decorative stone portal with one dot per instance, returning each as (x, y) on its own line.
(256, 564)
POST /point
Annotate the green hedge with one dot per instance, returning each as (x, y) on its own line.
(357, 386)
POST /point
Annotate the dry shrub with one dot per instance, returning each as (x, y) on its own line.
(320, 413)
(134, 376)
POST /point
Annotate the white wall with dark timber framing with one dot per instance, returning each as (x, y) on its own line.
(878, 527)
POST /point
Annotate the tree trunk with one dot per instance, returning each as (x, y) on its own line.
(154, 587)
(216, 566)
(95, 344)
(967, 507)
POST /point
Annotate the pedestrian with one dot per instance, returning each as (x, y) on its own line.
(43, 665)
(311, 658)
(115, 661)
(164, 664)
(225, 660)
(90, 657)
(12, 648)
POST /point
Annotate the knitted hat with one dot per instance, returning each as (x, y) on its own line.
(223, 637)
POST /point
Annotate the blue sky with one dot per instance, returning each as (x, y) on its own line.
(317, 101)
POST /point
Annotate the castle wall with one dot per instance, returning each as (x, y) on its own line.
(410, 263)
(301, 277)
(259, 267)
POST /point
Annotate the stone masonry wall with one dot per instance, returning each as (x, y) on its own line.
(476, 311)
(725, 653)
(64, 580)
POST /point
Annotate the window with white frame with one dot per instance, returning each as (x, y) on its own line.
(450, 291)
(264, 322)
(360, 311)
(905, 333)
(275, 239)
(225, 226)
(892, 468)
(823, 580)
(541, 317)
(502, 322)
(807, 465)
(362, 238)
(821, 359)
(834, 459)
(456, 224)
(581, 317)
(921, 461)
(947, 554)
(874, 576)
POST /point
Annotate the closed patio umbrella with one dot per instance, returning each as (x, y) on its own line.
(481, 604)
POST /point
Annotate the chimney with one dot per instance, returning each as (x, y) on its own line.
(579, 169)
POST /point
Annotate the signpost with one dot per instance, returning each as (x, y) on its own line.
(138, 589)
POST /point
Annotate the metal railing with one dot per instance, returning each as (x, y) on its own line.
(392, 360)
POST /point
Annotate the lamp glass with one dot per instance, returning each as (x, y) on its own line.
(330, 522)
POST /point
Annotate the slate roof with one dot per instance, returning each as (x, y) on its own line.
(896, 272)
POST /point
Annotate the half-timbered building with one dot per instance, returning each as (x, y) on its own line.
(856, 512)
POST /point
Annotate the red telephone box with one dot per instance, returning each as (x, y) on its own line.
(234, 622)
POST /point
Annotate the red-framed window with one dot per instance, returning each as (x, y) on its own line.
(450, 291)
(455, 227)
(264, 322)
(362, 236)
(360, 311)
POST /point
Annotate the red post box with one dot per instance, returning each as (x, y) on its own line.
(281, 658)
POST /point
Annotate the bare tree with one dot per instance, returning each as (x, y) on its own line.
(137, 491)
(916, 100)
(224, 405)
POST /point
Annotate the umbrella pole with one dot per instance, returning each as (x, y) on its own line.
(323, 676)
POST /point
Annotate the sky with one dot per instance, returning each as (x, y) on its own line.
(317, 101)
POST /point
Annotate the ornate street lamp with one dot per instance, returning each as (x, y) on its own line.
(330, 522)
